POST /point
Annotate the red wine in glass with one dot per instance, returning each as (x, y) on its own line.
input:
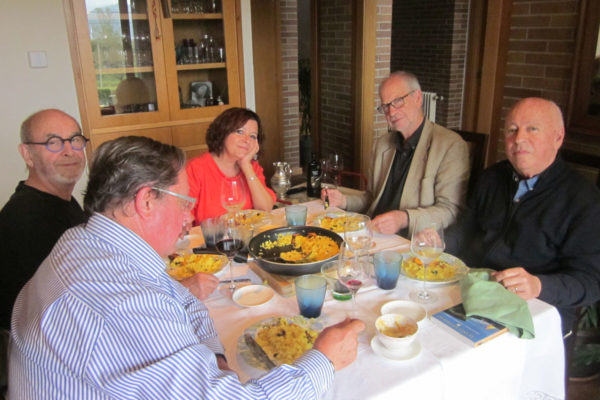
(230, 247)
(353, 284)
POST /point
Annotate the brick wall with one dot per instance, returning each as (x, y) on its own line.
(429, 39)
(335, 41)
(540, 59)
(289, 70)
(382, 57)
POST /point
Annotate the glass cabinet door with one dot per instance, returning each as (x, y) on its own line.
(201, 55)
(120, 36)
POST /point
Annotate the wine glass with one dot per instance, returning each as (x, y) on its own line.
(335, 164)
(427, 244)
(351, 274)
(358, 234)
(230, 244)
(233, 195)
(328, 181)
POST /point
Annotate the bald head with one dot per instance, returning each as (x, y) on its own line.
(534, 132)
(37, 120)
(52, 171)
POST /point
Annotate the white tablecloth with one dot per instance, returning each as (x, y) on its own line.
(447, 368)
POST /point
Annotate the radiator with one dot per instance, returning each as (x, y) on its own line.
(430, 100)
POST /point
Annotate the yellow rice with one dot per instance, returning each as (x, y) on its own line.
(184, 266)
(437, 270)
(284, 341)
(309, 248)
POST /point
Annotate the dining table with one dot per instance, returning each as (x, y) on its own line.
(505, 367)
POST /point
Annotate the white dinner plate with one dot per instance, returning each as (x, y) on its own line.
(411, 352)
(253, 295)
(461, 270)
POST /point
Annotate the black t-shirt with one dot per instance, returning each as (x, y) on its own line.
(30, 224)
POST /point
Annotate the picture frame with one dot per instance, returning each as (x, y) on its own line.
(200, 92)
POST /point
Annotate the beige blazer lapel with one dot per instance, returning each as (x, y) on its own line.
(381, 170)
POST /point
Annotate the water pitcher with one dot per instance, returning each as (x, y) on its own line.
(280, 182)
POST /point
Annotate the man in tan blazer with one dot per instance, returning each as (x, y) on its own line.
(420, 169)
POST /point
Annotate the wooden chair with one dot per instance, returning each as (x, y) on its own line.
(587, 164)
(477, 149)
(354, 180)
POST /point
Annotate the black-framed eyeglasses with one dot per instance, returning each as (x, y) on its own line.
(55, 143)
(396, 103)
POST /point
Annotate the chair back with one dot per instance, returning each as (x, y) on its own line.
(587, 164)
(477, 143)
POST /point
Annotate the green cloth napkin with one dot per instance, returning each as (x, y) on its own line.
(483, 296)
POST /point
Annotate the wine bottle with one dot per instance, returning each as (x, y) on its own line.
(313, 178)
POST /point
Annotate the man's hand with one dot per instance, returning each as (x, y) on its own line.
(336, 198)
(520, 282)
(339, 342)
(390, 222)
(201, 285)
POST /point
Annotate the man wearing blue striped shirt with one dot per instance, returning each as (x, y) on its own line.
(101, 319)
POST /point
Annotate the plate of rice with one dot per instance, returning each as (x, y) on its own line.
(336, 220)
(250, 217)
(446, 269)
(284, 339)
(182, 266)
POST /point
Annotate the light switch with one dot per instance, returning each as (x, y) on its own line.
(37, 59)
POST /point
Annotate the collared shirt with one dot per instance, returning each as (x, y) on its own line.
(525, 185)
(405, 149)
(101, 319)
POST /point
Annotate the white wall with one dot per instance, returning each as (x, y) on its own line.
(27, 25)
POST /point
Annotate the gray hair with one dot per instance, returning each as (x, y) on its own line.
(121, 167)
(26, 132)
(411, 79)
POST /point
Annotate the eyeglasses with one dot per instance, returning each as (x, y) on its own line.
(396, 103)
(55, 143)
(188, 202)
(240, 132)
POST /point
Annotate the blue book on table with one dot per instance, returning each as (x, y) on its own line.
(474, 330)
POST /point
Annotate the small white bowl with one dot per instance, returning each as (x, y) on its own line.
(387, 325)
(405, 307)
(253, 295)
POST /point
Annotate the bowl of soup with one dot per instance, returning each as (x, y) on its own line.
(396, 331)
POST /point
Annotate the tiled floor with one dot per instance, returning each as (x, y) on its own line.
(589, 390)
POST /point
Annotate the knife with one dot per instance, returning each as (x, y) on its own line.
(236, 280)
(258, 352)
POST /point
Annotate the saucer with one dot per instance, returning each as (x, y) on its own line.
(413, 350)
(253, 295)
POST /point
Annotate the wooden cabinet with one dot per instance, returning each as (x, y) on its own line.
(159, 68)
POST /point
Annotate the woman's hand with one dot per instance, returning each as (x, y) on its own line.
(252, 151)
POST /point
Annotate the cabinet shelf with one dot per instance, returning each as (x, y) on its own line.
(93, 16)
(197, 16)
(123, 70)
(193, 67)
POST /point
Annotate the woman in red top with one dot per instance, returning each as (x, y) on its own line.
(233, 139)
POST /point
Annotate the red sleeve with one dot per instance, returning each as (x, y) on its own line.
(261, 176)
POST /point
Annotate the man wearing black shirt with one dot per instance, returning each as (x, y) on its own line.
(42, 207)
